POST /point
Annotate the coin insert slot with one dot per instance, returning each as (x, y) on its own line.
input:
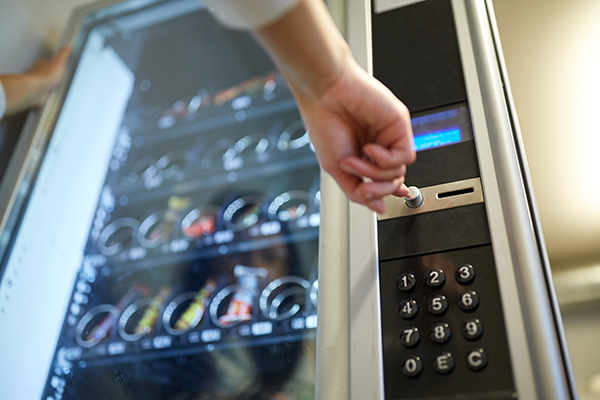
(455, 193)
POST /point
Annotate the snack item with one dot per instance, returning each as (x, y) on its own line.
(193, 314)
(240, 307)
(148, 320)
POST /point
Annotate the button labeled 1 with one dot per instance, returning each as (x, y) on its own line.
(406, 282)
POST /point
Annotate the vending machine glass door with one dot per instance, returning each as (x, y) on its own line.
(163, 241)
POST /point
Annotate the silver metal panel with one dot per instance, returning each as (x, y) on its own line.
(365, 351)
(535, 217)
(435, 198)
(534, 345)
(332, 318)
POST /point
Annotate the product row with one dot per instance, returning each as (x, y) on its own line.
(222, 152)
(262, 89)
(183, 223)
(143, 312)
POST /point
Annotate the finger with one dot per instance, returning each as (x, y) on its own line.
(357, 192)
(363, 168)
(402, 191)
(389, 158)
(376, 205)
(377, 190)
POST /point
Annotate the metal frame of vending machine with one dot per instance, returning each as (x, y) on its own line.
(450, 297)
(160, 219)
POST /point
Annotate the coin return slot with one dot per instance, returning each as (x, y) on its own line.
(455, 193)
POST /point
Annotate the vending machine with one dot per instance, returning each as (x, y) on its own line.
(450, 291)
(166, 232)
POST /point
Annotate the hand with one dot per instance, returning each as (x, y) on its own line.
(47, 74)
(358, 127)
(31, 88)
(360, 130)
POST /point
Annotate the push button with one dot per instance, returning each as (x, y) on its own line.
(468, 301)
(472, 330)
(440, 332)
(410, 337)
(438, 304)
(412, 366)
(465, 274)
(414, 198)
(436, 278)
(444, 363)
(406, 282)
(408, 309)
(477, 360)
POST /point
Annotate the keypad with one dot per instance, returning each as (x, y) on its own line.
(440, 334)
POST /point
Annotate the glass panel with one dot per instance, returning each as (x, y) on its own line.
(169, 246)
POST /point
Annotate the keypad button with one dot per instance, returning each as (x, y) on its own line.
(410, 337)
(477, 360)
(472, 329)
(469, 301)
(444, 363)
(435, 278)
(440, 332)
(412, 366)
(406, 282)
(408, 309)
(465, 274)
(438, 304)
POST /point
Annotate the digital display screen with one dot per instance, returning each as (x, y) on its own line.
(169, 245)
(441, 128)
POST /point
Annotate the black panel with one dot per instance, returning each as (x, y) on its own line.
(492, 382)
(415, 54)
(433, 232)
(442, 165)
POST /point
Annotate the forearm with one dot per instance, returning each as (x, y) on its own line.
(307, 47)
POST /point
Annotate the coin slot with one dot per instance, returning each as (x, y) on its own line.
(455, 193)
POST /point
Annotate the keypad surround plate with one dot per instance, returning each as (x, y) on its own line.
(494, 377)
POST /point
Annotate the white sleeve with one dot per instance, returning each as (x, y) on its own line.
(2, 101)
(249, 14)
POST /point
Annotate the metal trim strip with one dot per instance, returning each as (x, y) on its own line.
(396, 207)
